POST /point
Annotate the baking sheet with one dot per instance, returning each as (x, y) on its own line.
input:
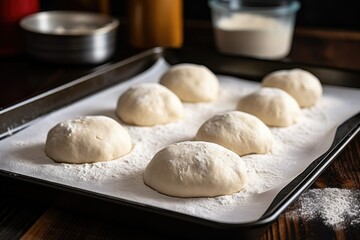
(294, 149)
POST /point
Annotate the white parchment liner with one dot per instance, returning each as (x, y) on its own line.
(294, 149)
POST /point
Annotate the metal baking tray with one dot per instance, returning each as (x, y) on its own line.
(21, 115)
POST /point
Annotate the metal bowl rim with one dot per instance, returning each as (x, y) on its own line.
(112, 25)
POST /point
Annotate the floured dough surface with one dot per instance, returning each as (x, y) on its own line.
(191, 82)
(302, 85)
(238, 131)
(273, 106)
(149, 104)
(87, 139)
(196, 169)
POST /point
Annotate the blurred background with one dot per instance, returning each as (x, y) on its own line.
(337, 14)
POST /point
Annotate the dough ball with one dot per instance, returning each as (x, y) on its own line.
(273, 106)
(196, 169)
(301, 84)
(240, 132)
(191, 82)
(149, 104)
(87, 139)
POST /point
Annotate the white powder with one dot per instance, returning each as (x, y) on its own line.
(249, 21)
(294, 149)
(254, 35)
(332, 205)
(20, 143)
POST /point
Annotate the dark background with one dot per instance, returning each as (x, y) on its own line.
(344, 14)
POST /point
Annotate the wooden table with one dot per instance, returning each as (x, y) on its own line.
(22, 218)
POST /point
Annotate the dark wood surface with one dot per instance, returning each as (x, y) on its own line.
(23, 217)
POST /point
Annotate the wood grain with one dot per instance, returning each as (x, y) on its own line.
(16, 217)
(58, 223)
(342, 173)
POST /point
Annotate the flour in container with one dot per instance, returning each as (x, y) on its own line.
(254, 35)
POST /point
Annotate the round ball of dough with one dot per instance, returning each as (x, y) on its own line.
(191, 82)
(196, 169)
(149, 104)
(240, 132)
(273, 106)
(87, 139)
(301, 84)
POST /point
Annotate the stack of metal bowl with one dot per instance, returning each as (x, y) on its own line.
(70, 37)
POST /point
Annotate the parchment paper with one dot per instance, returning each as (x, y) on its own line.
(294, 149)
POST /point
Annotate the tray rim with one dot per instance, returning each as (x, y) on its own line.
(265, 219)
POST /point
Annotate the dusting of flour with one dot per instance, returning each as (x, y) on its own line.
(294, 149)
(333, 206)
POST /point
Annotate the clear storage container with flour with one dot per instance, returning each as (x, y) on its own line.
(261, 29)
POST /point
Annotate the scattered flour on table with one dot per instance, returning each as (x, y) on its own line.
(333, 206)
